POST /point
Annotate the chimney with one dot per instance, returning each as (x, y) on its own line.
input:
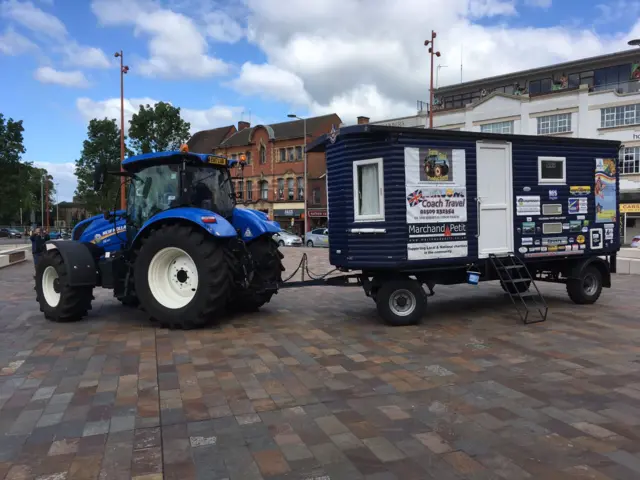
(363, 120)
(242, 125)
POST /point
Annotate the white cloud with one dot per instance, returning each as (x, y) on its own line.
(177, 48)
(73, 78)
(221, 27)
(367, 57)
(271, 82)
(12, 43)
(33, 18)
(84, 56)
(215, 116)
(64, 175)
(538, 3)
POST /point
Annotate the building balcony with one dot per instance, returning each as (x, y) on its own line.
(632, 86)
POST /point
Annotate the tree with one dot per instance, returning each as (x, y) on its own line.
(157, 129)
(102, 146)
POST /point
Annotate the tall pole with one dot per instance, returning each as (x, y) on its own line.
(42, 200)
(46, 194)
(304, 192)
(123, 70)
(57, 208)
(432, 52)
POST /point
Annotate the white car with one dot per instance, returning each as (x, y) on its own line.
(318, 237)
(635, 242)
(288, 239)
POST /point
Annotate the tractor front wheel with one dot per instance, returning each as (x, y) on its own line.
(267, 274)
(59, 301)
(182, 277)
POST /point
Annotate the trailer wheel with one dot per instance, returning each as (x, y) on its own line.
(266, 276)
(182, 277)
(586, 289)
(58, 300)
(401, 302)
(514, 288)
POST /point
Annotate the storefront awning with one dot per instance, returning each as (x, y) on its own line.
(629, 186)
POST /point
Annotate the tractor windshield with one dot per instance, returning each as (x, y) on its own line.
(210, 188)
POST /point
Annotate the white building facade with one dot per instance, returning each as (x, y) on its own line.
(592, 98)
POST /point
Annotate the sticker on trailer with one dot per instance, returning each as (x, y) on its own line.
(580, 191)
(435, 250)
(575, 226)
(578, 205)
(553, 194)
(527, 205)
(435, 166)
(437, 240)
(527, 241)
(555, 241)
(528, 227)
(248, 232)
(596, 239)
(580, 239)
(523, 249)
(608, 231)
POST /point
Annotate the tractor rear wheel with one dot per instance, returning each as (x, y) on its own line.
(182, 277)
(59, 301)
(266, 276)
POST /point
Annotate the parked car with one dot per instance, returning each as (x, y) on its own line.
(10, 233)
(55, 235)
(285, 238)
(318, 237)
(635, 241)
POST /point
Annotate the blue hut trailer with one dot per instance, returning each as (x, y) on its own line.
(412, 207)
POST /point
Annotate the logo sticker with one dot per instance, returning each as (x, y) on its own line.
(580, 239)
(523, 250)
(248, 233)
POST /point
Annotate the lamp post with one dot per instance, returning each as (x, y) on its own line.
(304, 180)
(438, 73)
(432, 52)
(42, 200)
(123, 70)
(634, 43)
(57, 208)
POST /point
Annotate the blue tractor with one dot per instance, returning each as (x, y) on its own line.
(181, 251)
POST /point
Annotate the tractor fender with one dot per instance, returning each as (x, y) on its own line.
(576, 268)
(80, 259)
(221, 228)
(252, 224)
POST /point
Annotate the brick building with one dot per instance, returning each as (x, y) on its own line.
(273, 178)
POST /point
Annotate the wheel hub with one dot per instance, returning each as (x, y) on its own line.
(173, 277)
(402, 302)
(51, 286)
(589, 285)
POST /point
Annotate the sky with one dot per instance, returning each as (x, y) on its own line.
(258, 60)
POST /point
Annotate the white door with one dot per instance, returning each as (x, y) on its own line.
(494, 202)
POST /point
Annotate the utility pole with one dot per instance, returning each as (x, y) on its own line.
(42, 200)
(432, 52)
(123, 70)
(46, 194)
(57, 208)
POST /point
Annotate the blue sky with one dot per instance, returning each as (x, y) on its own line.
(261, 59)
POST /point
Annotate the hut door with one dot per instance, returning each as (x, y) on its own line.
(494, 201)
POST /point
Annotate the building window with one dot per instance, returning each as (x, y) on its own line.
(630, 160)
(248, 158)
(611, 77)
(315, 196)
(281, 189)
(540, 86)
(263, 155)
(291, 154)
(368, 199)
(554, 124)
(298, 153)
(552, 170)
(283, 155)
(620, 116)
(498, 127)
(300, 182)
(249, 195)
(234, 156)
(240, 188)
(290, 188)
(264, 190)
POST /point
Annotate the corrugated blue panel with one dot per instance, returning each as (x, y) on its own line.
(389, 250)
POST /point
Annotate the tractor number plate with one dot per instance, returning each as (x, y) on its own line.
(217, 161)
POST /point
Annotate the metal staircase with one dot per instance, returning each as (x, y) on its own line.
(521, 287)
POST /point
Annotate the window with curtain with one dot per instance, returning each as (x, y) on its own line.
(249, 195)
(264, 190)
(248, 158)
(281, 189)
(283, 155)
(369, 197)
(300, 188)
(290, 188)
(315, 196)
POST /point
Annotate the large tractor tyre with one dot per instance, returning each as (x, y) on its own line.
(586, 289)
(515, 288)
(266, 276)
(439, 171)
(129, 301)
(58, 300)
(182, 277)
(401, 302)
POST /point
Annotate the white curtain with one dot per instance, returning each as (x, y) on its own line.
(369, 190)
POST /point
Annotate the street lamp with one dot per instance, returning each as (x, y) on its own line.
(304, 180)
(57, 208)
(438, 73)
(123, 70)
(432, 52)
(634, 43)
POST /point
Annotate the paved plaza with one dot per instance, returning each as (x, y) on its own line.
(314, 387)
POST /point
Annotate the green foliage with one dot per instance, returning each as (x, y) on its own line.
(102, 146)
(158, 128)
(20, 182)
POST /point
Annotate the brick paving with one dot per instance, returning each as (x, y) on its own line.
(314, 387)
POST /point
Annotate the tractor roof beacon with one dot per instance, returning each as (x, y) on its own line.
(181, 250)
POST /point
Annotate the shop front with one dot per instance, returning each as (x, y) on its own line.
(630, 213)
(290, 219)
(317, 218)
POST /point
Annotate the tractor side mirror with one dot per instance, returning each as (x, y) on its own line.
(98, 177)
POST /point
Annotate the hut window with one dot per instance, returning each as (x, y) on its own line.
(368, 189)
(552, 170)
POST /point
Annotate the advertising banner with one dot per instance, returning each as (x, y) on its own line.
(605, 190)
